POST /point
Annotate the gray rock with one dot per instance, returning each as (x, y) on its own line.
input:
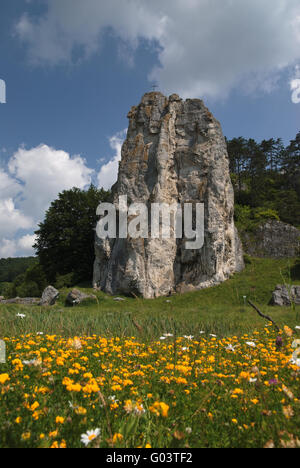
(49, 297)
(272, 239)
(175, 152)
(21, 301)
(283, 296)
(75, 297)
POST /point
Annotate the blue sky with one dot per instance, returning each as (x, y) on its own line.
(74, 68)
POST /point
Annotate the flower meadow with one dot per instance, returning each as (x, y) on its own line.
(174, 392)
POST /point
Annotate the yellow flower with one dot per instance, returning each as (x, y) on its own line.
(18, 420)
(80, 410)
(117, 437)
(4, 378)
(34, 406)
(59, 420)
(26, 435)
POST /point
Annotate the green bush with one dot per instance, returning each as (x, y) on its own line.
(29, 284)
(28, 289)
(65, 281)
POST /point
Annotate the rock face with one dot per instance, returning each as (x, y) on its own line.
(273, 239)
(49, 297)
(175, 152)
(282, 296)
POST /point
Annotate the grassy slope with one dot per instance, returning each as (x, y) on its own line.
(219, 310)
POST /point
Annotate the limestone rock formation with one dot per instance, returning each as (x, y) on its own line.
(175, 152)
(283, 296)
(272, 239)
(49, 296)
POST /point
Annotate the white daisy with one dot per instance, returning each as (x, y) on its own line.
(230, 348)
(87, 438)
(251, 344)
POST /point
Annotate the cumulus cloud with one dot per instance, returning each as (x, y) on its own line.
(22, 247)
(108, 174)
(12, 219)
(204, 47)
(43, 173)
(295, 86)
(30, 182)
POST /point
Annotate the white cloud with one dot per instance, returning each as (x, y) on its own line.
(44, 172)
(205, 47)
(108, 174)
(295, 86)
(12, 219)
(22, 247)
(32, 180)
(9, 187)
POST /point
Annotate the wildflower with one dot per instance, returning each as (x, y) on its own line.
(117, 438)
(189, 337)
(230, 347)
(80, 411)
(87, 438)
(26, 435)
(160, 408)
(252, 380)
(4, 378)
(273, 382)
(30, 363)
(251, 344)
(59, 420)
(21, 316)
(287, 331)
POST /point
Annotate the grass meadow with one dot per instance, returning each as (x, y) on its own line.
(201, 369)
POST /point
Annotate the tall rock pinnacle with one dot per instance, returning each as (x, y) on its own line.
(174, 153)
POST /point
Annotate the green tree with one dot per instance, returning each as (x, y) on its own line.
(65, 239)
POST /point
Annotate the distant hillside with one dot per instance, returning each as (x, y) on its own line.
(10, 268)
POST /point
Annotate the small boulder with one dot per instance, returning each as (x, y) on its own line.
(283, 296)
(75, 297)
(49, 297)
